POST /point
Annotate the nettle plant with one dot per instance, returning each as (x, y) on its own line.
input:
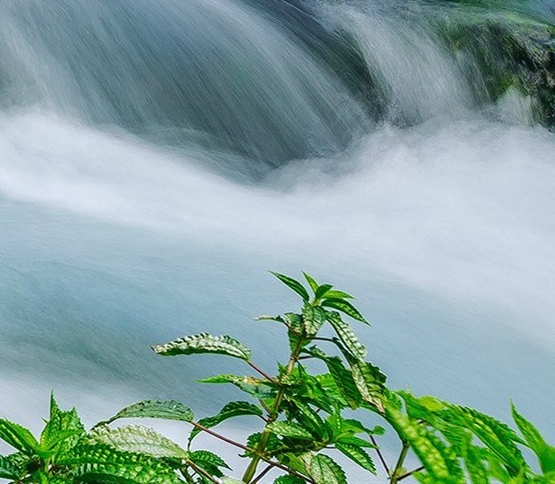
(306, 421)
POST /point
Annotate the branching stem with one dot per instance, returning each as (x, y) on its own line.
(251, 469)
(262, 474)
(261, 372)
(221, 437)
(408, 474)
(257, 453)
(395, 477)
(202, 472)
(264, 406)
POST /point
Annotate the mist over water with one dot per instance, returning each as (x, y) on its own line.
(157, 159)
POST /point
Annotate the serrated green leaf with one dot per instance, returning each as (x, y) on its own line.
(439, 415)
(353, 440)
(358, 455)
(343, 378)
(209, 462)
(294, 340)
(137, 439)
(230, 480)
(352, 426)
(315, 352)
(474, 465)
(347, 335)
(289, 479)
(497, 469)
(497, 436)
(293, 284)
(320, 390)
(63, 480)
(423, 406)
(544, 451)
(311, 282)
(54, 408)
(322, 290)
(167, 410)
(345, 307)
(18, 437)
(204, 343)
(62, 432)
(547, 479)
(324, 470)
(309, 419)
(335, 294)
(439, 461)
(9, 469)
(290, 429)
(273, 446)
(369, 381)
(313, 319)
(425, 478)
(205, 457)
(316, 390)
(253, 386)
(436, 412)
(297, 462)
(293, 321)
(102, 463)
(232, 409)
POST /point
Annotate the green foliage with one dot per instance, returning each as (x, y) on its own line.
(230, 410)
(289, 479)
(66, 453)
(103, 463)
(306, 419)
(168, 410)
(204, 343)
(347, 336)
(324, 470)
(136, 439)
(18, 437)
(357, 454)
(534, 440)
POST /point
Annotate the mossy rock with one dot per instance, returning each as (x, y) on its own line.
(503, 50)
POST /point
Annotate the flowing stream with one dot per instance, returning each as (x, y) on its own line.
(157, 158)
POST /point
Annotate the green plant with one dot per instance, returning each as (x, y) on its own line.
(306, 419)
(65, 453)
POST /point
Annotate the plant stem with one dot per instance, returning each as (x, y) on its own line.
(283, 467)
(395, 477)
(251, 469)
(408, 474)
(272, 464)
(262, 474)
(248, 449)
(202, 472)
(261, 372)
(380, 455)
(187, 476)
(264, 406)
(329, 340)
(221, 437)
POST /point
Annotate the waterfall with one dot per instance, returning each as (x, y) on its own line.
(157, 158)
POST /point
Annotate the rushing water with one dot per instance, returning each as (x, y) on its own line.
(158, 157)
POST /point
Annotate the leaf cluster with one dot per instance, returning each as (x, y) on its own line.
(306, 413)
